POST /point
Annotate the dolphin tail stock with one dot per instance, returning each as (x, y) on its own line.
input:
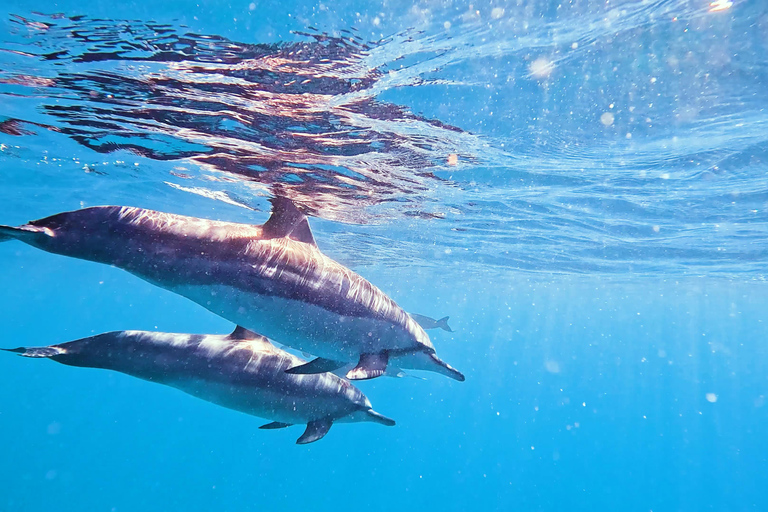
(443, 324)
(37, 352)
(430, 323)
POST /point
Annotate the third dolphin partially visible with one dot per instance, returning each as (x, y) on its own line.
(271, 279)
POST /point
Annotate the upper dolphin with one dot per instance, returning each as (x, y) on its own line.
(271, 279)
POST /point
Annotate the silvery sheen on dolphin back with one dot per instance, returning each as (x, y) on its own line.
(241, 371)
(271, 279)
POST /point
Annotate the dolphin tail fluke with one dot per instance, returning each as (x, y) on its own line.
(39, 352)
(443, 324)
(7, 233)
(25, 233)
(316, 430)
(379, 418)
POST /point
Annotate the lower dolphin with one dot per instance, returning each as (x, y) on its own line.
(241, 371)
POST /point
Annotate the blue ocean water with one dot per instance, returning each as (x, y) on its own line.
(580, 186)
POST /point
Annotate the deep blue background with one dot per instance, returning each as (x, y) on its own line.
(585, 390)
(623, 424)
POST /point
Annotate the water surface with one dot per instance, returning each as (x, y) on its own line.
(581, 187)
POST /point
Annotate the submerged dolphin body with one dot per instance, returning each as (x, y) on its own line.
(430, 323)
(241, 371)
(271, 279)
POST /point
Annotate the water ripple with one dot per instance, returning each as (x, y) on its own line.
(629, 139)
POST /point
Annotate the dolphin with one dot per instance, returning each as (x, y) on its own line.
(430, 323)
(271, 279)
(241, 371)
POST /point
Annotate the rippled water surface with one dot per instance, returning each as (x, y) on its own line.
(581, 186)
(562, 137)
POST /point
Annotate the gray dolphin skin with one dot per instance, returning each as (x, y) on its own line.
(271, 279)
(241, 371)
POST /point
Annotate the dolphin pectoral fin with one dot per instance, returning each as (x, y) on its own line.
(369, 367)
(318, 365)
(287, 221)
(316, 430)
(274, 425)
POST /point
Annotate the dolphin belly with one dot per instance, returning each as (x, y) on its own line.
(284, 407)
(299, 324)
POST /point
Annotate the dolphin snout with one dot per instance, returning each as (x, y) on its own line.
(379, 418)
(446, 369)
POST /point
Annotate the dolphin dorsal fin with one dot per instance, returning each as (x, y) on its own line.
(287, 221)
(241, 333)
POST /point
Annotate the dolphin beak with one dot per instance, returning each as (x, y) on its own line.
(446, 369)
(379, 418)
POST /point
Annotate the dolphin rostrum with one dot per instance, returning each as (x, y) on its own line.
(271, 279)
(241, 371)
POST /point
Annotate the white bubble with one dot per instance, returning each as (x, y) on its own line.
(541, 67)
(552, 366)
(447, 25)
(711, 397)
(252, 6)
(607, 118)
(497, 12)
